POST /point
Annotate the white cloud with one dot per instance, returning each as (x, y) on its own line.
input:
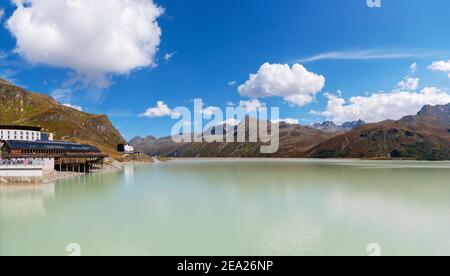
(2, 14)
(169, 56)
(441, 66)
(232, 83)
(381, 106)
(408, 84)
(73, 106)
(413, 68)
(161, 110)
(209, 111)
(359, 55)
(62, 95)
(289, 121)
(295, 84)
(95, 38)
(251, 106)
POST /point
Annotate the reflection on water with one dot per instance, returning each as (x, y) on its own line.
(24, 202)
(236, 207)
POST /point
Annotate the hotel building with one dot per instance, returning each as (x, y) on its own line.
(27, 151)
(24, 133)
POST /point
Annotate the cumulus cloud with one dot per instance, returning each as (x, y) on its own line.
(161, 110)
(289, 121)
(2, 14)
(73, 106)
(296, 85)
(408, 84)
(381, 106)
(441, 66)
(413, 68)
(209, 111)
(95, 38)
(232, 83)
(251, 106)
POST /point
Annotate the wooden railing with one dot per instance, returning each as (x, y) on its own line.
(54, 155)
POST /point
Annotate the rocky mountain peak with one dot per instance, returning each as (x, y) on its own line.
(330, 126)
(439, 112)
(354, 124)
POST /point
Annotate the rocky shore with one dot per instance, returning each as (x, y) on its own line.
(55, 176)
(5, 181)
(110, 166)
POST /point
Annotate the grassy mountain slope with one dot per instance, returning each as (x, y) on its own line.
(294, 141)
(20, 107)
(425, 136)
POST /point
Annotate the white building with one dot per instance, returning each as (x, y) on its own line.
(129, 149)
(24, 133)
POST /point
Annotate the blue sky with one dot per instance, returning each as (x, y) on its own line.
(216, 45)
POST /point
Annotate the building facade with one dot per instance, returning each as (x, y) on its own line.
(129, 149)
(54, 155)
(24, 133)
(125, 148)
(26, 150)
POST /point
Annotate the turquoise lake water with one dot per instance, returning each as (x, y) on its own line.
(235, 207)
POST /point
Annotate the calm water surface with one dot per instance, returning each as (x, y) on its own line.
(235, 207)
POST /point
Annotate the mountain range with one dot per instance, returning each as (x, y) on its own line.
(425, 136)
(330, 126)
(294, 139)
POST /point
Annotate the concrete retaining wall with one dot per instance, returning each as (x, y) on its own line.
(49, 165)
(21, 174)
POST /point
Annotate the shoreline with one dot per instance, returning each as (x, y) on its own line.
(299, 159)
(56, 176)
(137, 162)
(111, 166)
